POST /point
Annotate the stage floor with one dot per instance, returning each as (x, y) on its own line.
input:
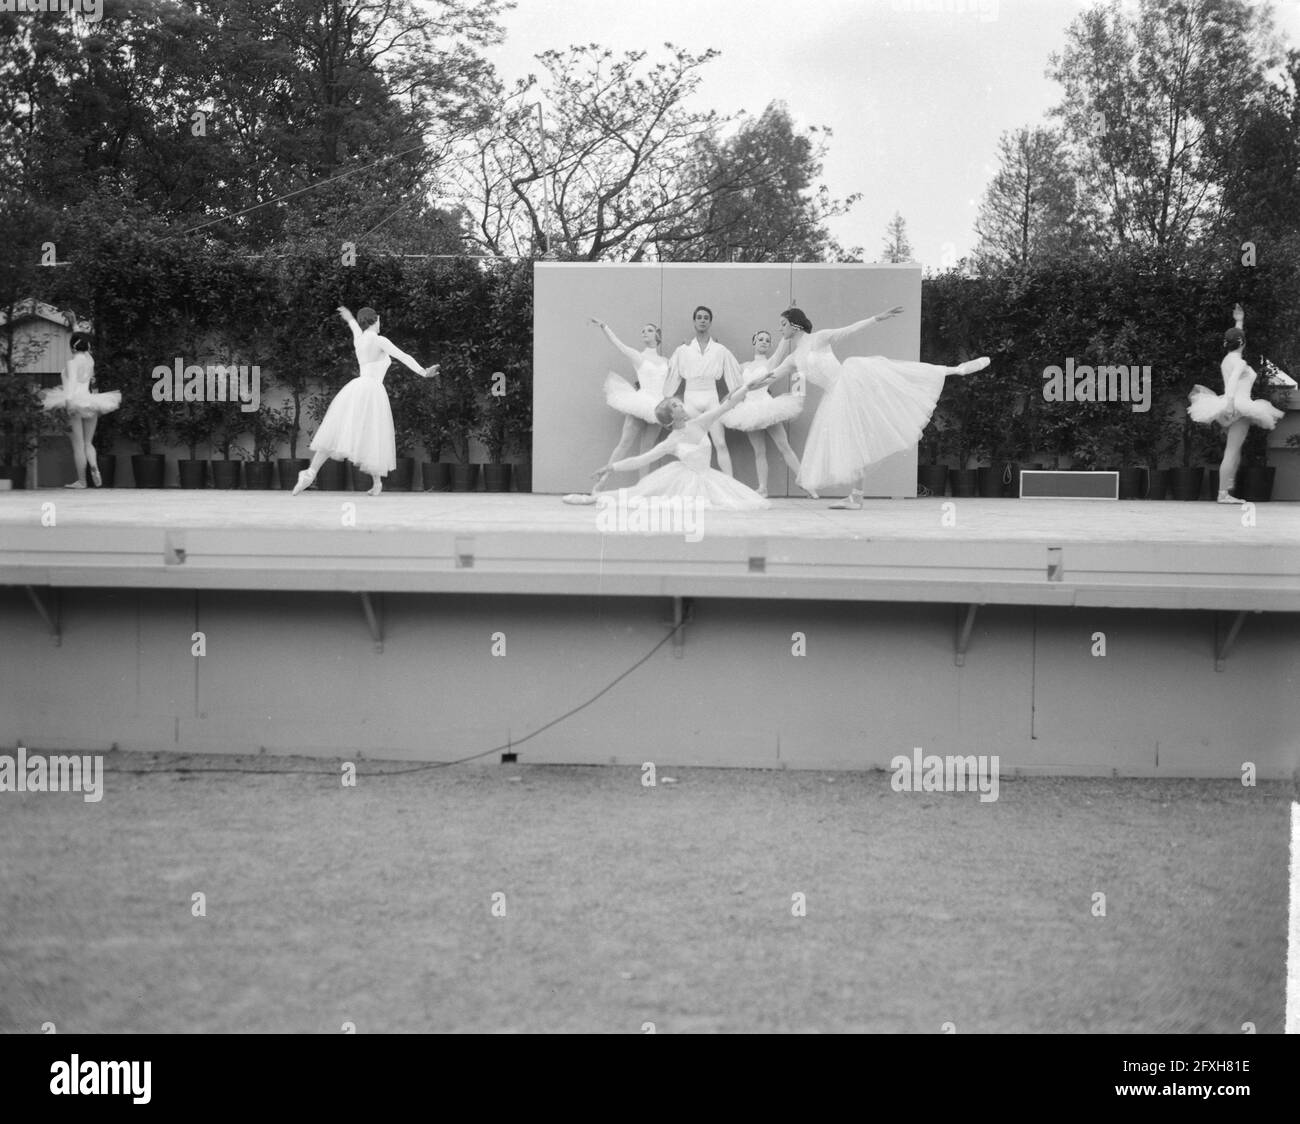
(1140, 554)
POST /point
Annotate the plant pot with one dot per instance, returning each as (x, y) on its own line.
(964, 481)
(288, 468)
(147, 469)
(1212, 482)
(332, 476)
(995, 481)
(193, 474)
(399, 480)
(1257, 483)
(107, 468)
(16, 474)
(225, 474)
(932, 479)
(464, 477)
(437, 477)
(1157, 483)
(524, 477)
(1185, 483)
(1132, 483)
(258, 475)
(496, 477)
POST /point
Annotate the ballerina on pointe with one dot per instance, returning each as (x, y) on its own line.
(358, 426)
(689, 476)
(1234, 409)
(636, 402)
(872, 407)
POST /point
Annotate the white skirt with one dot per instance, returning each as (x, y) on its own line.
(622, 396)
(760, 410)
(717, 488)
(80, 402)
(1207, 407)
(358, 426)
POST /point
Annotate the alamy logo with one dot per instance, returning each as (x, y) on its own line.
(91, 1078)
(651, 515)
(92, 10)
(1083, 383)
(218, 382)
(35, 772)
(932, 773)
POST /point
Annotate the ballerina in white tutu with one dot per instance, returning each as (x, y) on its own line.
(690, 475)
(1234, 409)
(84, 406)
(358, 426)
(872, 407)
(761, 415)
(637, 401)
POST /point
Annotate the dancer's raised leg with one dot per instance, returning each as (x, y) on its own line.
(308, 475)
(719, 434)
(782, 443)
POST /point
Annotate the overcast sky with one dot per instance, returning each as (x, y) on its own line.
(916, 98)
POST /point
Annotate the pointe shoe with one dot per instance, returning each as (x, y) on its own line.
(973, 365)
(1228, 497)
(306, 478)
(853, 503)
(376, 487)
(76, 484)
(95, 476)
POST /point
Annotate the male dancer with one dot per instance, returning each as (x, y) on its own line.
(701, 362)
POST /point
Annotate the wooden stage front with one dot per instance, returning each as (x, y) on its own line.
(1131, 554)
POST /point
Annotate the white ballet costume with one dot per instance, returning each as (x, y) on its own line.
(358, 426)
(639, 402)
(1210, 408)
(75, 395)
(690, 476)
(872, 408)
(759, 410)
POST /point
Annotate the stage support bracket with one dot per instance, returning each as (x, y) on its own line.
(1223, 642)
(52, 614)
(372, 619)
(965, 622)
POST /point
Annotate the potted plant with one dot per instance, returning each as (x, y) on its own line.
(144, 423)
(192, 423)
(227, 429)
(269, 428)
(21, 421)
(931, 476)
(427, 416)
(505, 423)
(460, 402)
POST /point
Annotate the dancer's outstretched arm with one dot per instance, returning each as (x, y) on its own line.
(393, 351)
(633, 356)
(351, 322)
(706, 419)
(836, 335)
(627, 464)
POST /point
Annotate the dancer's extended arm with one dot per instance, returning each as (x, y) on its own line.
(351, 322)
(634, 357)
(837, 335)
(706, 419)
(627, 464)
(393, 351)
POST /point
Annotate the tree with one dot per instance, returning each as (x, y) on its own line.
(773, 212)
(897, 247)
(1031, 211)
(1153, 106)
(616, 166)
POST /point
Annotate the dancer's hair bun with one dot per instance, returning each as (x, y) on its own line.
(366, 317)
(664, 411)
(796, 317)
(1232, 337)
(80, 341)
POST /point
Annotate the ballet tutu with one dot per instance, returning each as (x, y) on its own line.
(1208, 408)
(80, 402)
(622, 396)
(721, 491)
(760, 410)
(876, 407)
(358, 426)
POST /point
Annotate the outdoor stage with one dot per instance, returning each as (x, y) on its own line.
(437, 625)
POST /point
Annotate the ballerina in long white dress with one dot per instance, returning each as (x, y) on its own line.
(761, 416)
(637, 402)
(690, 475)
(358, 426)
(1234, 409)
(872, 407)
(84, 406)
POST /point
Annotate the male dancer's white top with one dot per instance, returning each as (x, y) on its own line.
(701, 370)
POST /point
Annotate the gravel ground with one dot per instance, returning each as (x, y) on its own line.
(626, 905)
